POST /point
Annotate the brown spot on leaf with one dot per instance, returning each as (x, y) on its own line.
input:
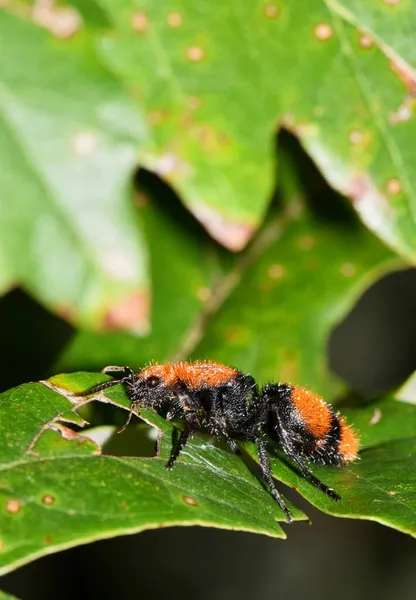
(131, 314)
(195, 53)
(233, 236)
(174, 19)
(13, 506)
(190, 501)
(348, 269)
(323, 31)
(276, 271)
(48, 499)
(306, 242)
(193, 102)
(365, 40)
(140, 21)
(377, 414)
(271, 11)
(393, 187)
(48, 539)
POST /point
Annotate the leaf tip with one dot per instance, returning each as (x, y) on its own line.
(232, 235)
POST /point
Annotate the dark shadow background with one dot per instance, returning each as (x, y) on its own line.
(373, 349)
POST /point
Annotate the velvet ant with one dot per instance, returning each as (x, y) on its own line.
(229, 404)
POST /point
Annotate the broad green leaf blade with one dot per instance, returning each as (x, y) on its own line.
(216, 82)
(381, 486)
(268, 312)
(407, 392)
(382, 421)
(186, 267)
(277, 321)
(4, 596)
(390, 23)
(68, 141)
(56, 491)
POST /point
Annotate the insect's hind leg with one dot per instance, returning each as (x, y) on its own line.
(267, 474)
(284, 440)
(312, 479)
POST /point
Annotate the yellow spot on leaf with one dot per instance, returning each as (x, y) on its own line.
(174, 19)
(306, 242)
(140, 21)
(348, 269)
(13, 506)
(276, 271)
(190, 501)
(271, 11)
(195, 53)
(365, 40)
(48, 499)
(394, 187)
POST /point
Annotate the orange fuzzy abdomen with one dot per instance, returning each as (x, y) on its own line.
(348, 443)
(313, 411)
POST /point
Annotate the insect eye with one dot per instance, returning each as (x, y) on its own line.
(153, 381)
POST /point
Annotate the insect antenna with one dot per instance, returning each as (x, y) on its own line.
(103, 386)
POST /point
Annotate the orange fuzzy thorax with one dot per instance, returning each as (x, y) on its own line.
(195, 375)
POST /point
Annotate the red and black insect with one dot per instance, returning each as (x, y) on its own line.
(229, 404)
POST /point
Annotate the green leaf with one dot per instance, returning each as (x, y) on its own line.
(4, 596)
(379, 487)
(68, 142)
(44, 508)
(269, 311)
(215, 82)
(383, 420)
(300, 277)
(56, 491)
(186, 268)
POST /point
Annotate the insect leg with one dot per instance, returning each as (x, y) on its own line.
(183, 438)
(267, 474)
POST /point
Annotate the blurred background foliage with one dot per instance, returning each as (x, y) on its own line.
(236, 182)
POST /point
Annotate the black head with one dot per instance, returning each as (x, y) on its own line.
(147, 390)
